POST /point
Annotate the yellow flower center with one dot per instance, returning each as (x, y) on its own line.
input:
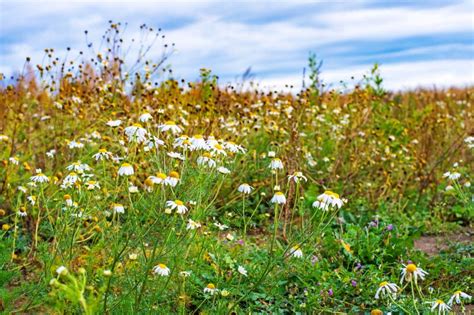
(457, 292)
(174, 174)
(382, 284)
(102, 150)
(376, 312)
(198, 137)
(332, 194)
(206, 155)
(211, 286)
(149, 182)
(162, 266)
(218, 147)
(411, 268)
(179, 202)
(126, 165)
(439, 302)
(137, 125)
(170, 123)
(279, 193)
(161, 175)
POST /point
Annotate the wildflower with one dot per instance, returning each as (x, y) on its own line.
(211, 289)
(107, 273)
(78, 167)
(297, 177)
(218, 149)
(125, 169)
(198, 143)
(271, 154)
(411, 271)
(70, 179)
(242, 271)
(177, 204)
(61, 271)
(92, 184)
(376, 312)
(68, 200)
(220, 226)
(223, 170)
(153, 142)
(14, 160)
(75, 145)
(225, 293)
(441, 306)
(145, 117)
(32, 200)
(132, 256)
(3, 138)
(136, 133)
(296, 251)
(170, 126)
(118, 208)
(206, 160)
(449, 188)
(159, 178)
(192, 225)
(172, 179)
(328, 199)
(103, 154)
(133, 189)
(39, 177)
(233, 147)
(457, 296)
(185, 273)
(245, 189)
(452, 176)
(386, 288)
(51, 153)
(162, 270)
(276, 164)
(22, 189)
(347, 247)
(176, 155)
(278, 198)
(114, 123)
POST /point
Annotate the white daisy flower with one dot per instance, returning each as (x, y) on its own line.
(75, 145)
(78, 167)
(92, 184)
(276, 164)
(242, 271)
(218, 149)
(162, 270)
(32, 200)
(71, 179)
(278, 198)
(223, 170)
(441, 306)
(386, 288)
(145, 117)
(176, 155)
(172, 179)
(39, 177)
(68, 200)
(245, 189)
(328, 199)
(411, 271)
(452, 176)
(103, 154)
(178, 205)
(457, 296)
(220, 226)
(211, 289)
(198, 143)
(170, 126)
(233, 147)
(118, 208)
(51, 153)
(136, 133)
(296, 251)
(206, 160)
(61, 271)
(14, 160)
(125, 169)
(114, 123)
(192, 225)
(153, 142)
(297, 177)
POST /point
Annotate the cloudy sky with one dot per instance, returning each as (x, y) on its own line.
(417, 43)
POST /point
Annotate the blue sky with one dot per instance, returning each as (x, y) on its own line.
(417, 43)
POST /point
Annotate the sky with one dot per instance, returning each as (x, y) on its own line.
(417, 43)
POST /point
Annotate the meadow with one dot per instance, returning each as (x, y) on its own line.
(119, 195)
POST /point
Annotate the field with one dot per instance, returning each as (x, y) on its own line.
(120, 196)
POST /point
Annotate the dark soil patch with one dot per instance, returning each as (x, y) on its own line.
(433, 244)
